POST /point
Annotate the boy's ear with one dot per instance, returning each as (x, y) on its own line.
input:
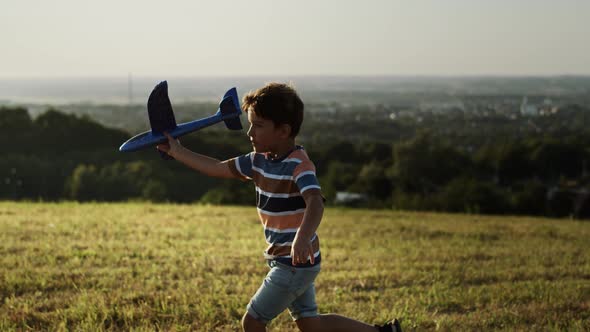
(285, 130)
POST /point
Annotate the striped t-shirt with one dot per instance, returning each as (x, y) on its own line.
(281, 186)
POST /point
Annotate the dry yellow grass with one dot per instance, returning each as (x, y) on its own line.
(143, 267)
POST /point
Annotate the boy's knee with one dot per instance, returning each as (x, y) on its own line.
(251, 324)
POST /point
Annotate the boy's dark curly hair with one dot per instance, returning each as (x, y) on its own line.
(277, 102)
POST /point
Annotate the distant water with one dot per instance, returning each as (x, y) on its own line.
(315, 88)
(110, 90)
(123, 90)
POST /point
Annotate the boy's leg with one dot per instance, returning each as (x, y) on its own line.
(272, 298)
(332, 322)
(251, 324)
(304, 311)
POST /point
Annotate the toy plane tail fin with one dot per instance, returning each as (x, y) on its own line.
(230, 110)
(160, 109)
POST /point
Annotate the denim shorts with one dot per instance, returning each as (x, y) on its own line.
(285, 287)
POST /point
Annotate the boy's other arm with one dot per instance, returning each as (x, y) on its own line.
(301, 248)
(204, 164)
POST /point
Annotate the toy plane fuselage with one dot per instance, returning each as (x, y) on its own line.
(162, 119)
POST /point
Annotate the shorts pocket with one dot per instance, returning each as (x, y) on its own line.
(302, 280)
(280, 278)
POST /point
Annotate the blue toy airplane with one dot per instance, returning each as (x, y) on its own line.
(162, 119)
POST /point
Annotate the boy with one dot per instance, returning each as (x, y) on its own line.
(290, 207)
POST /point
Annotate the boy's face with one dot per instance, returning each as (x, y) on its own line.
(263, 133)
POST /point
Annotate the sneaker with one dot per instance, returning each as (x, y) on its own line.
(393, 326)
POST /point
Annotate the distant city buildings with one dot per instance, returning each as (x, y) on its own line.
(527, 109)
(546, 108)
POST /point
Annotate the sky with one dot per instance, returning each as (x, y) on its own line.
(112, 38)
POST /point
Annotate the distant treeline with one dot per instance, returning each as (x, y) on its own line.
(58, 156)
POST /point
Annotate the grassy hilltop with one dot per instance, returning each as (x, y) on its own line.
(140, 266)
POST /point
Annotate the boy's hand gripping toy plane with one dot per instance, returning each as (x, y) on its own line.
(162, 119)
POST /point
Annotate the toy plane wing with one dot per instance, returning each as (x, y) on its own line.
(162, 119)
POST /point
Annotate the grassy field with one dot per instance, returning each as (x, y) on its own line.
(144, 267)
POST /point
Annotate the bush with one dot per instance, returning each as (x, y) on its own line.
(530, 198)
(115, 182)
(231, 192)
(472, 196)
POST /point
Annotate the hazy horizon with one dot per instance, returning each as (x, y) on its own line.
(183, 38)
(358, 89)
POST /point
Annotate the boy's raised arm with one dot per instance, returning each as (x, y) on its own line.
(204, 164)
